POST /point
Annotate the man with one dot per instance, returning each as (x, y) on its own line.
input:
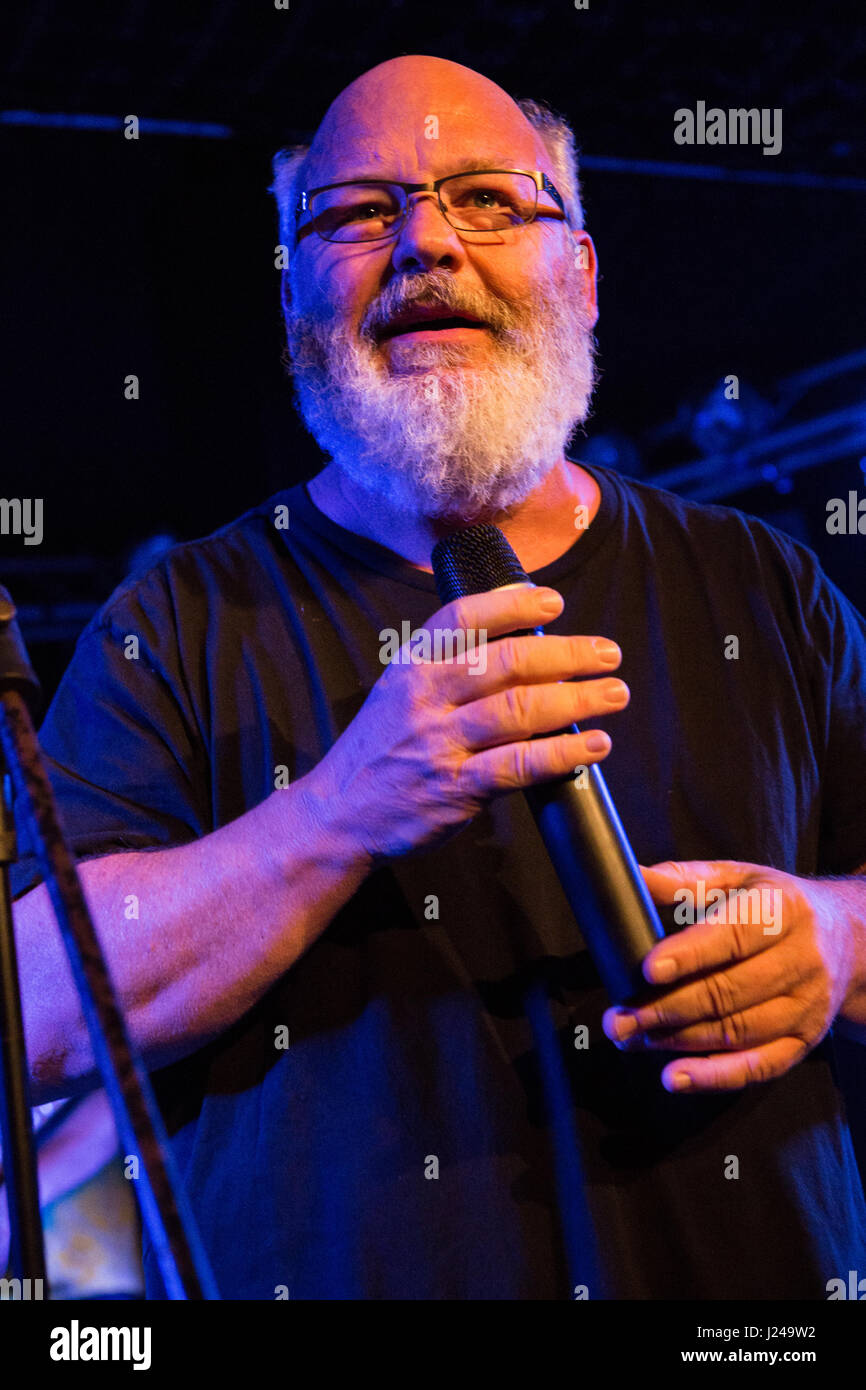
(383, 1054)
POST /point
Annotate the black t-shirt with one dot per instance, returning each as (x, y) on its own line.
(432, 1129)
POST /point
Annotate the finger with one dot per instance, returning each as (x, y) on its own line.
(513, 765)
(527, 660)
(665, 878)
(524, 710)
(776, 1018)
(498, 611)
(712, 943)
(731, 1072)
(716, 994)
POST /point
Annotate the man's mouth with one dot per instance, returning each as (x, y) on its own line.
(418, 319)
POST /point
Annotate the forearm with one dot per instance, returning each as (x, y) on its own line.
(218, 921)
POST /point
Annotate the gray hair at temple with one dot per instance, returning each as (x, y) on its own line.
(290, 168)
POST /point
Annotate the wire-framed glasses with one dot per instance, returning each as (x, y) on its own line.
(483, 200)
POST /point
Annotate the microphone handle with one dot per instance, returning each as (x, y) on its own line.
(604, 887)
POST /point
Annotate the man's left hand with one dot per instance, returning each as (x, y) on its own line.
(757, 983)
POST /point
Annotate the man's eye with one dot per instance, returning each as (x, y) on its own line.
(364, 212)
(485, 198)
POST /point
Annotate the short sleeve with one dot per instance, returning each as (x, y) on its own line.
(121, 740)
(840, 646)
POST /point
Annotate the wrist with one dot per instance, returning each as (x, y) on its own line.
(315, 816)
(846, 913)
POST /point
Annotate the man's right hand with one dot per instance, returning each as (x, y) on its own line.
(434, 741)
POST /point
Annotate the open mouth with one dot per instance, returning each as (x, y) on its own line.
(429, 323)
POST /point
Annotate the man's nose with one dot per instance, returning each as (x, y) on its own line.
(426, 239)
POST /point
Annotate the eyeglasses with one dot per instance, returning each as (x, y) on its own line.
(485, 200)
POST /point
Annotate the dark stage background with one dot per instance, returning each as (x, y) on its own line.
(155, 257)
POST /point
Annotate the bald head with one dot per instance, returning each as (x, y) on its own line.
(444, 109)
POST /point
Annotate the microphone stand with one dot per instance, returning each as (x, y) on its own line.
(165, 1212)
(27, 1254)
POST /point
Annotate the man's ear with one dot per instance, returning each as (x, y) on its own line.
(587, 261)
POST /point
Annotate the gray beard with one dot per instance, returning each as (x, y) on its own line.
(443, 438)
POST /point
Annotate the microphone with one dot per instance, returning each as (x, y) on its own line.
(578, 823)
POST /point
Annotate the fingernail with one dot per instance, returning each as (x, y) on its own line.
(624, 1025)
(607, 652)
(597, 742)
(663, 970)
(680, 1081)
(551, 602)
(616, 693)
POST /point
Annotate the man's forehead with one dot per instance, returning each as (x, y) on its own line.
(415, 113)
(368, 161)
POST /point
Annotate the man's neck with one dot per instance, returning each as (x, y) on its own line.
(540, 529)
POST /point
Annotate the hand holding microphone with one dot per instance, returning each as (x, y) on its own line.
(577, 820)
(435, 741)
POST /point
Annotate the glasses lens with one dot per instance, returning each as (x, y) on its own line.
(356, 212)
(486, 201)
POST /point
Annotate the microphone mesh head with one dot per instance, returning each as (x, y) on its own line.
(474, 561)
